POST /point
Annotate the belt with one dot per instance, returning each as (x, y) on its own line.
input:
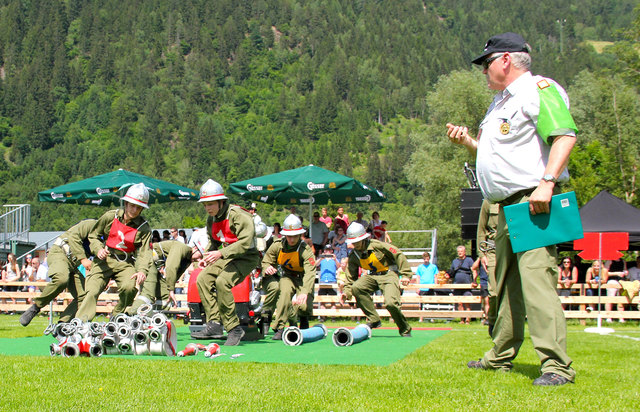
(119, 255)
(378, 273)
(514, 198)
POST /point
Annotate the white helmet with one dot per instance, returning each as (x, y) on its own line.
(137, 195)
(356, 233)
(210, 191)
(292, 226)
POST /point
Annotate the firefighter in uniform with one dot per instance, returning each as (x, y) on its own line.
(296, 283)
(171, 259)
(378, 258)
(231, 256)
(125, 256)
(69, 251)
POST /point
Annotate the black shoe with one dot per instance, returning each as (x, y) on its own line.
(475, 364)
(234, 336)
(406, 334)
(212, 330)
(551, 379)
(304, 322)
(29, 314)
(373, 325)
(277, 335)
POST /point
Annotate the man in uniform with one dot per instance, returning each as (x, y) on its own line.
(522, 149)
(378, 258)
(125, 255)
(170, 260)
(296, 260)
(69, 252)
(232, 255)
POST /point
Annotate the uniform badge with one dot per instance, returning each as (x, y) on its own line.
(505, 127)
(542, 84)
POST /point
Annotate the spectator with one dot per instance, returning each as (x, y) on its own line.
(595, 277)
(174, 235)
(426, 274)
(325, 218)
(155, 237)
(568, 277)
(380, 232)
(375, 221)
(634, 272)
(481, 272)
(166, 235)
(26, 273)
(339, 244)
(11, 273)
(360, 219)
(342, 219)
(182, 233)
(617, 272)
(460, 272)
(276, 231)
(319, 233)
(328, 265)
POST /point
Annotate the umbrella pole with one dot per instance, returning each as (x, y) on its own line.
(310, 218)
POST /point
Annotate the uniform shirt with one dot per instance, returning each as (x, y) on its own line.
(240, 224)
(386, 254)
(77, 238)
(176, 258)
(305, 259)
(514, 140)
(142, 240)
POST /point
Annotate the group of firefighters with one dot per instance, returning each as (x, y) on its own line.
(120, 244)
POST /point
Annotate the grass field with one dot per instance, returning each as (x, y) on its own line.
(434, 377)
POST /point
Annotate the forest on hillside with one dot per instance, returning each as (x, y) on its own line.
(187, 90)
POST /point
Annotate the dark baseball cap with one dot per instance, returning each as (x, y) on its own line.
(505, 42)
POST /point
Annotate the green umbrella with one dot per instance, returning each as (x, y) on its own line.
(307, 185)
(108, 188)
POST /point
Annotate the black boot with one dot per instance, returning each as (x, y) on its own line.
(304, 322)
(28, 316)
(212, 330)
(234, 336)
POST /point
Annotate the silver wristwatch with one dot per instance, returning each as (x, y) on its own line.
(550, 178)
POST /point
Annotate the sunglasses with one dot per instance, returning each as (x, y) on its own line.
(487, 62)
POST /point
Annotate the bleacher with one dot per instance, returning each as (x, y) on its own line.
(413, 305)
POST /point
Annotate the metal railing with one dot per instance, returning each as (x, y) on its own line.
(14, 224)
(410, 242)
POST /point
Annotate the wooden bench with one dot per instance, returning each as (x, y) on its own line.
(411, 302)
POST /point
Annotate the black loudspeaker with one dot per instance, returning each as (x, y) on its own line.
(470, 204)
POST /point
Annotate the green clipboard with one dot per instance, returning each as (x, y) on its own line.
(561, 224)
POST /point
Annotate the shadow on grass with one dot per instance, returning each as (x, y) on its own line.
(530, 371)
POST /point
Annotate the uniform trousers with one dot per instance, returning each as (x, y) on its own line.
(389, 284)
(215, 283)
(290, 285)
(64, 274)
(101, 273)
(526, 291)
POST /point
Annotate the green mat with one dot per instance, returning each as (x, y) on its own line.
(383, 348)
